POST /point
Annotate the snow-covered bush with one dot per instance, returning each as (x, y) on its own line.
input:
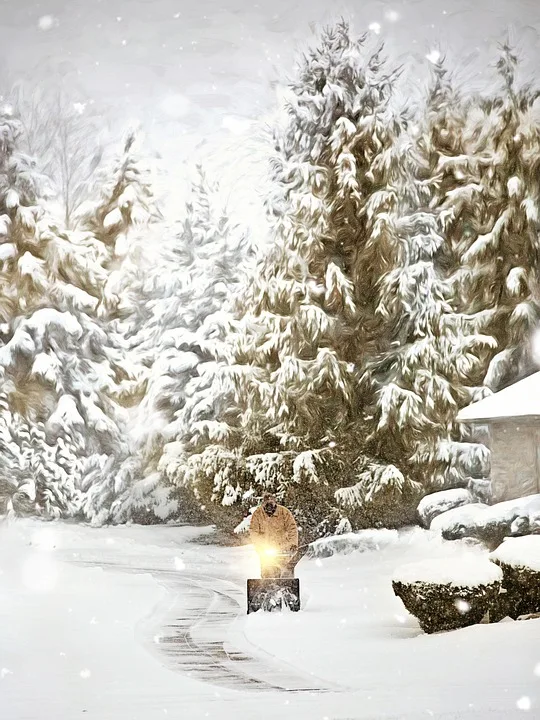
(519, 559)
(490, 523)
(448, 595)
(349, 542)
(437, 503)
(481, 490)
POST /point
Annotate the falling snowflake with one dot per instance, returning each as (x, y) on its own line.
(157, 639)
(179, 564)
(462, 606)
(400, 619)
(79, 107)
(524, 703)
(375, 27)
(4, 672)
(46, 22)
(392, 16)
(318, 562)
(537, 669)
(434, 56)
(85, 674)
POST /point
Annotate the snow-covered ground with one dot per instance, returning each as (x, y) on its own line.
(140, 623)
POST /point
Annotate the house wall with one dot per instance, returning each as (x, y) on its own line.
(515, 460)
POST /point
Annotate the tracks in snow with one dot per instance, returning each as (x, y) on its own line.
(197, 629)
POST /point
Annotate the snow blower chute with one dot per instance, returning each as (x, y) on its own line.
(277, 587)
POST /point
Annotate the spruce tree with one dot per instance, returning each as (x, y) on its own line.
(430, 354)
(501, 259)
(54, 369)
(306, 316)
(122, 220)
(183, 340)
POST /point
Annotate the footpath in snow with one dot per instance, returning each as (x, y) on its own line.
(140, 623)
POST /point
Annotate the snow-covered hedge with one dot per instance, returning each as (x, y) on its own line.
(448, 595)
(362, 541)
(520, 552)
(437, 503)
(519, 559)
(491, 523)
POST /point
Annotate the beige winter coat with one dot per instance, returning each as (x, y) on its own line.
(278, 529)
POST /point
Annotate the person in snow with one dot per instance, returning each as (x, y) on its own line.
(273, 528)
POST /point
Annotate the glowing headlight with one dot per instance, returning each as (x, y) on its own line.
(271, 552)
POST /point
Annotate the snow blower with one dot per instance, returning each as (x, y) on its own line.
(277, 588)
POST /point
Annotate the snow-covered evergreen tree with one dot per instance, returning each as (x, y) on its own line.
(431, 354)
(305, 307)
(501, 261)
(125, 205)
(66, 135)
(122, 221)
(54, 368)
(182, 337)
(307, 312)
(37, 477)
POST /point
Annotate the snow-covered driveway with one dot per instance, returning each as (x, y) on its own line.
(198, 628)
(140, 623)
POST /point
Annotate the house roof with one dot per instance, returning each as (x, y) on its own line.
(520, 400)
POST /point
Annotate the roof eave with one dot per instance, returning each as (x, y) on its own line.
(496, 418)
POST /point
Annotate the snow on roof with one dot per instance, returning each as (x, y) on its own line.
(516, 401)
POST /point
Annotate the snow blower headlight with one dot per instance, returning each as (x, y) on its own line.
(270, 552)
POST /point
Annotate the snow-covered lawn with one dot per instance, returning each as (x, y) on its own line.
(164, 634)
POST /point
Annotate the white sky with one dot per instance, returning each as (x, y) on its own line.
(196, 73)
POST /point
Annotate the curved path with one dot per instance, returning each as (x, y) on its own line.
(198, 629)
